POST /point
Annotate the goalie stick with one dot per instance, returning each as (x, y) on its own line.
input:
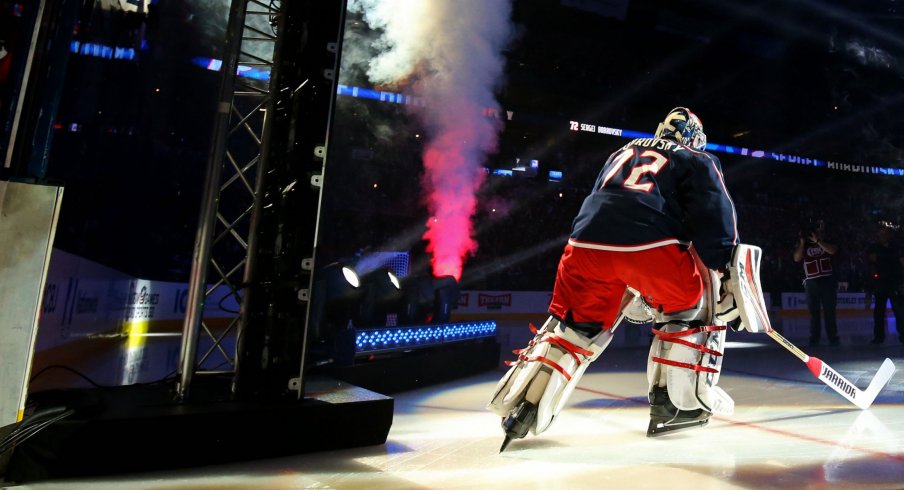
(862, 398)
(744, 284)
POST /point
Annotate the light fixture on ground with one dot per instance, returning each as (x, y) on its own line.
(380, 296)
(417, 300)
(445, 298)
(335, 299)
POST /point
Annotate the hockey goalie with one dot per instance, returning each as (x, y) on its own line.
(653, 242)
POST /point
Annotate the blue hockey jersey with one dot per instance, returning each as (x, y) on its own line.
(654, 192)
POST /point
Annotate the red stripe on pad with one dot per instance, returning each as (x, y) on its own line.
(692, 367)
(549, 363)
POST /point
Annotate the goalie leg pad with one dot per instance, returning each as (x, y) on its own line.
(687, 361)
(547, 371)
(673, 322)
(686, 353)
(559, 388)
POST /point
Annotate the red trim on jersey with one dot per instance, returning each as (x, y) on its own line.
(626, 248)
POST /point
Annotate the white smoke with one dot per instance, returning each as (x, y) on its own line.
(449, 52)
(211, 18)
(869, 55)
(450, 35)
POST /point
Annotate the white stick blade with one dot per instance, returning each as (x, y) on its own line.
(841, 385)
(880, 380)
(863, 399)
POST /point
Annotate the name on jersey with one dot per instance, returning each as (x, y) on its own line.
(656, 143)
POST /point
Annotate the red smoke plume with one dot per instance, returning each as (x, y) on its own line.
(451, 181)
(450, 52)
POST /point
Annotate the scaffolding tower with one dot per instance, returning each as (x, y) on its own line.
(260, 208)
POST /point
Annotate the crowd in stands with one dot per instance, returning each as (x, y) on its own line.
(522, 224)
(133, 161)
(773, 216)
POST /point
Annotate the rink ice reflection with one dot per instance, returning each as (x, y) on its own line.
(789, 431)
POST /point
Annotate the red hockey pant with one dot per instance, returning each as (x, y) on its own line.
(590, 283)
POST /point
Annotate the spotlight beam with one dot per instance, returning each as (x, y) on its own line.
(502, 263)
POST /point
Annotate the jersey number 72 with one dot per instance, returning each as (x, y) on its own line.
(650, 161)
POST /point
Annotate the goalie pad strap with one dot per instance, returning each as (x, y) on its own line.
(684, 333)
(701, 348)
(556, 348)
(556, 340)
(674, 337)
(692, 367)
(544, 360)
(571, 348)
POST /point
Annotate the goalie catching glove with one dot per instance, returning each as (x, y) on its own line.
(742, 305)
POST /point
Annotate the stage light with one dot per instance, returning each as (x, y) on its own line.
(417, 300)
(334, 302)
(445, 298)
(351, 277)
(336, 284)
(394, 280)
(380, 296)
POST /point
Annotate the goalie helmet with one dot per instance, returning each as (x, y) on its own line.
(683, 126)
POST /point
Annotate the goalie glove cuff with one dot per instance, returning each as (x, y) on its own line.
(727, 312)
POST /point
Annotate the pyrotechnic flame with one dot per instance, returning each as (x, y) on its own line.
(450, 53)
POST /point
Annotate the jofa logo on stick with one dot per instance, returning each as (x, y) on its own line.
(838, 381)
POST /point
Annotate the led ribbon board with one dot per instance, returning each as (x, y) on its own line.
(578, 126)
(399, 338)
(396, 98)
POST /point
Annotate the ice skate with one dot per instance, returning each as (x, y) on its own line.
(666, 418)
(519, 422)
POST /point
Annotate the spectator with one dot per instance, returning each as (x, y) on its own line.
(886, 260)
(820, 283)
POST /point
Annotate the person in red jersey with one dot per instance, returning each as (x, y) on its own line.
(818, 255)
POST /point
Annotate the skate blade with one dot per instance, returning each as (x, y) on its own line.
(505, 444)
(661, 428)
